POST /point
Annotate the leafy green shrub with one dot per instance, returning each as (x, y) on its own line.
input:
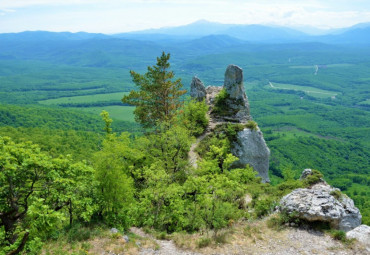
(162, 236)
(314, 178)
(231, 131)
(78, 233)
(287, 186)
(337, 194)
(220, 103)
(194, 117)
(264, 206)
(252, 125)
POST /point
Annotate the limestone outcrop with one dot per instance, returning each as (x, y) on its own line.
(237, 100)
(197, 89)
(251, 149)
(323, 203)
(250, 146)
(361, 234)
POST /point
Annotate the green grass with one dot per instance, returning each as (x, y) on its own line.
(85, 99)
(328, 66)
(125, 113)
(311, 91)
(340, 65)
(290, 132)
(302, 67)
(366, 102)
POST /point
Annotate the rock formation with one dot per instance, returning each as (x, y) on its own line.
(249, 147)
(197, 89)
(323, 203)
(361, 234)
(237, 100)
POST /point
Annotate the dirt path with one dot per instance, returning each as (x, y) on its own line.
(165, 247)
(210, 96)
(260, 240)
(193, 156)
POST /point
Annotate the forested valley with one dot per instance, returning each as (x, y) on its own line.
(77, 159)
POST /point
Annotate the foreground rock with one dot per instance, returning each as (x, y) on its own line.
(361, 234)
(321, 203)
(251, 149)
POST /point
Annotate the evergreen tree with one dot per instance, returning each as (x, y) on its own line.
(158, 97)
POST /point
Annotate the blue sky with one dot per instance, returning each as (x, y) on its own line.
(114, 16)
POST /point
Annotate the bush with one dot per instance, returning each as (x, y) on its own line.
(194, 117)
(314, 178)
(278, 221)
(287, 186)
(338, 235)
(264, 206)
(220, 103)
(78, 233)
(231, 131)
(337, 194)
(252, 125)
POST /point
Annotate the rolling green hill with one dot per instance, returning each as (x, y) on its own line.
(316, 113)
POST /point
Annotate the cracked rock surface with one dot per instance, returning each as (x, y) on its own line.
(319, 203)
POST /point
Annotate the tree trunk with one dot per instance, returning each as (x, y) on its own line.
(9, 223)
(70, 209)
(21, 245)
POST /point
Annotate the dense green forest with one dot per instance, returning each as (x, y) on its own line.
(311, 100)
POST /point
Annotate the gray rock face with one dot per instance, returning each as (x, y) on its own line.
(234, 82)
(361, 234)
(237, 101)
(197, 89)
(251, 149)
(318, 204)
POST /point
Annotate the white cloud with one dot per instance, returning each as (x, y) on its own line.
(112, 16)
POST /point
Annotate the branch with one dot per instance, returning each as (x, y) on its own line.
(21, 246)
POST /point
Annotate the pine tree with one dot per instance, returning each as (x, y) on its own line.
(158, 97)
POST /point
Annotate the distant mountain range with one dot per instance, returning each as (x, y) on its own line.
(359, 33)
(197, 39)
(202, 31)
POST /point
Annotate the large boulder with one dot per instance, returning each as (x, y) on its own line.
(197, 89)
(251, 148)
(361, 234)
(321, 202)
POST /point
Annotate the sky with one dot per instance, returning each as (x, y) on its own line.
(116, 16)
